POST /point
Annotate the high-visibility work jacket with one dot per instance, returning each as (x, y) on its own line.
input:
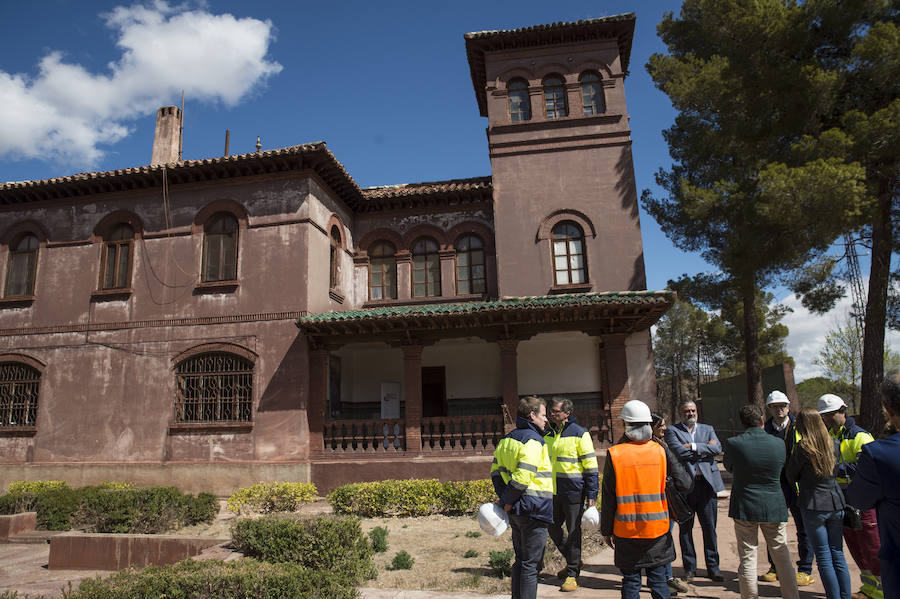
(852, 438)
(641, 508)
(574, 461)
(521, 472)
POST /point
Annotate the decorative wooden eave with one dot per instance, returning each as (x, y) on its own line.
(618, 27)
(454, 192)
(606, 313)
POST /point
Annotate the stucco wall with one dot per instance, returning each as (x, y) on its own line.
(559, 363)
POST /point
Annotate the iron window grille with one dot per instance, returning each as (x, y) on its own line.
(19, 388)
(20, 271)
(470, 274)
(214, 387)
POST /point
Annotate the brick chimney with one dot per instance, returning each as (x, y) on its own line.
(167, 139)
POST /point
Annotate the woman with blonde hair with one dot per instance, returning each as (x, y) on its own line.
(811, 467)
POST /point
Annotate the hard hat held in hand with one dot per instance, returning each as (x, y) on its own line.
(492, 519)
(590, 519)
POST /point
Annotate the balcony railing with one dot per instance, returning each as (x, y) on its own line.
(462, 434)
(372, 437)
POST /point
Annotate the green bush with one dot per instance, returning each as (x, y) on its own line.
(500, 562)
(20, 487)
(215, 579)
(272, 497)
(414, 497)
(322, 543)
(402, 561)
(378, 536)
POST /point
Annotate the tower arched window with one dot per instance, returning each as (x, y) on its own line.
(519, 101)
(19, 390)
(426, 271)
(470, 273)
(115, 262)
(592, 100)
(569, 264)
(20, 272)
(220, 248)
(334, 257)
(382, 271)
(555, 105)
(214, 387)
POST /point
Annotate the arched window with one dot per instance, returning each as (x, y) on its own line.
(592, 100)
(19, 387)
(426, 275)
(555, 106)
(519, 102)
(23, 255)
(115, 261)
(470, 275)
(214, 387)
(220, 248)
(335, 257)
(382, 271)
(568, 254)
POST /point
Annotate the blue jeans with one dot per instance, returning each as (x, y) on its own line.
(825, 533)
(656, 581)
(528, 538)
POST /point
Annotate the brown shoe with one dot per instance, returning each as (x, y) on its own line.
(859, 595)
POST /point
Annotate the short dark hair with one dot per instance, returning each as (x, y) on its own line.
(530, 405)
(655, 419)
(750, 415)
(890, 393)
(566, 404)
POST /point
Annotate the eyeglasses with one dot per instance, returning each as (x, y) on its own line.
(557, 411)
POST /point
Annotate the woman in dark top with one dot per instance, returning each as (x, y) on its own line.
(811, 468)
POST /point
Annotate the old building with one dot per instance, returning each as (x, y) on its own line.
(212, 323)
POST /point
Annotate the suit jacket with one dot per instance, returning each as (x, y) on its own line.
(703, 458)
(756, 458)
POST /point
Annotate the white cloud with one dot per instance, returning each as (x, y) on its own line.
(66, 113)
(807, 333)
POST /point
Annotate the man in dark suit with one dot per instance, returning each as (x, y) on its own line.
(757, 459)
(697, 446)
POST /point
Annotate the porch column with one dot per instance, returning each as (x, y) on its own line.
(509, 373)
(412, 396)
(318, 399)
(616, 380)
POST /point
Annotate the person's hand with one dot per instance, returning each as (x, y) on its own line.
(609, 541)
(714, 442)
(687, 445)
(592, 502)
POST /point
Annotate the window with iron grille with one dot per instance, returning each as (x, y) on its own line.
(555, 105)
(592, 100)
(519, 102)
(214, 387)
(19, 386)
(470, 275)
(382, 271)
(23, 255)
(568, 254)
(220, 248)
(426, 268)
(115, 263)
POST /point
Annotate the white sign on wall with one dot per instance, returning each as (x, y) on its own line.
(390, 400)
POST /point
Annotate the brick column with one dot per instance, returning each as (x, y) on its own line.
(616, 380)
(318, 399)
(412, 396)
(509, 374)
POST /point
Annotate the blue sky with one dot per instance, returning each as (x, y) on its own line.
(385, 84)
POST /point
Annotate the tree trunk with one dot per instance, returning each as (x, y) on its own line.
(870, 415)
(751, 343)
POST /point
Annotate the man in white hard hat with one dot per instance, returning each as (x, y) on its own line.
(863, 544)
(781, 424)
(634, 516)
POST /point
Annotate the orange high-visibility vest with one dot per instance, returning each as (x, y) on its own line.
(641, 508)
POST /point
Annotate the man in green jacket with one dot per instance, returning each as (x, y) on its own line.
(756, 459)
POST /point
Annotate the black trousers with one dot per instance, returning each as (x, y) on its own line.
(568, 543)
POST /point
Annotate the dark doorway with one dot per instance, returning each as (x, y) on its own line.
(434, 392)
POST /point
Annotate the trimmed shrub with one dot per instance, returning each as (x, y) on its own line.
(402, 561)
(322, 543)
(272, 497)
(20, 487)
(378, 536)
(414, 497)
(215, 579)
(500, 562)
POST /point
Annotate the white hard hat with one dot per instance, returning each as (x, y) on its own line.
(776, 397)
(636, 411)
(590, 519)
(830, 403)
(492, 519)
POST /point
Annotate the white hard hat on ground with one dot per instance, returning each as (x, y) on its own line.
(777, 397)
(492, 519)
(636, 411)
(830, 403)
(590, 519)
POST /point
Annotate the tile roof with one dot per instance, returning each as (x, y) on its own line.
(427, 188)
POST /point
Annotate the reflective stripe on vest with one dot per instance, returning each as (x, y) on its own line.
(641, 508)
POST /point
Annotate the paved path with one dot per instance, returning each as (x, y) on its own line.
(23, 568)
